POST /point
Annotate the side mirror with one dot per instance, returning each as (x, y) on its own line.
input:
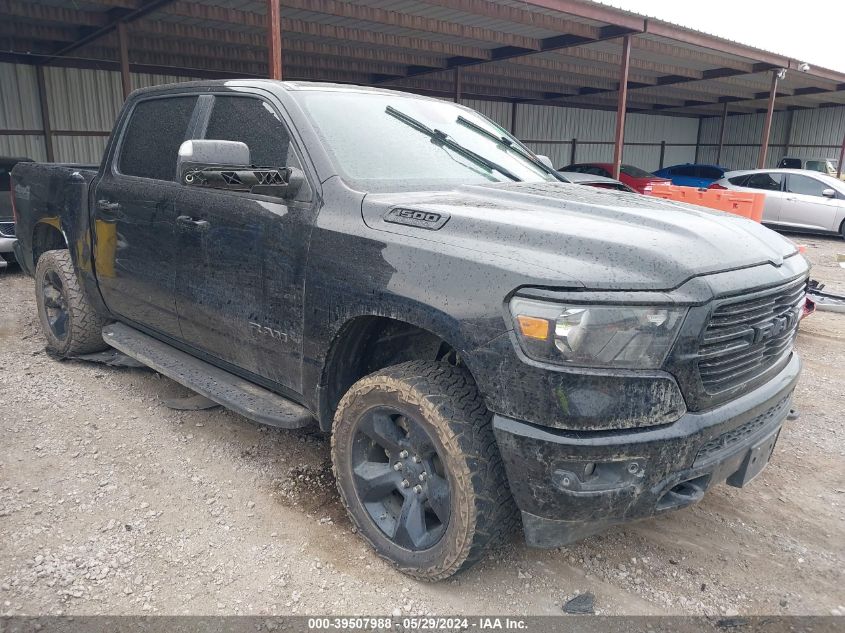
(829, 193)
(226, 165)
(546, 161)
(202, 153)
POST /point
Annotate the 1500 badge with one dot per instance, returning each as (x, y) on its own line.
(417, 218)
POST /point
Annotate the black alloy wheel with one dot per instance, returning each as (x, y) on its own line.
(70, 324)
(418, 468)
(400, 478)
(55, 304)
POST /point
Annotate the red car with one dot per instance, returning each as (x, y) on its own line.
(637, 179)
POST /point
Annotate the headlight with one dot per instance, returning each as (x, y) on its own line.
(629, 337)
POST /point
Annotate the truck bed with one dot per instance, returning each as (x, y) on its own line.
(55, 194)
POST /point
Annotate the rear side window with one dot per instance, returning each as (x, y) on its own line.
(767, 182)
(634, 172)
(579, 169)
(156, 129)
(711, 172)
(685, 170)
(594, 170)
(251, 121)
(739, 181)
(805, 185)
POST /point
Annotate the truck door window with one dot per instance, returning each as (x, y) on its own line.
(151, 142)
(251, 121)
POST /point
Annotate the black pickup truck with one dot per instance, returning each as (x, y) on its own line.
(484, 342)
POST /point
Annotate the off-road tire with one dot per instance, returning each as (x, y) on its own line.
(84, 327)
(447, 404)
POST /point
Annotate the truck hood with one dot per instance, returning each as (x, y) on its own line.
(583, 237)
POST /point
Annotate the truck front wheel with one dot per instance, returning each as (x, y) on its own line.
(418, 468)
(70, 324)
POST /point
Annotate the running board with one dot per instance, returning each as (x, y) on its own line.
(233, 392)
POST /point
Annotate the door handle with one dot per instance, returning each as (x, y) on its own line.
(109, 208)
(186, 220)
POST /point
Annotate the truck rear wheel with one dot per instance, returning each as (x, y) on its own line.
(418, 468)
(70, 324)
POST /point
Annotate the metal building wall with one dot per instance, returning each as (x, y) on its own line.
(822, 126)
(825, 126)
(593, 131)
(498, 111)
(80, 101)
(87, 101)
(20, 109)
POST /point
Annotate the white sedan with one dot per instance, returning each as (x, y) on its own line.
(796, 199)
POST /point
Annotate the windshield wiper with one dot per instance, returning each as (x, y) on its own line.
(509, 144)
(442, 138)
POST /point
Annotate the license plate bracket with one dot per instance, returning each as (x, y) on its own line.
(754, 462)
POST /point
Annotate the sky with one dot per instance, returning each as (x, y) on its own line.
(810, 31)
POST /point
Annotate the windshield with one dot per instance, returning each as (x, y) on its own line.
(370, 145)
(825, 166)
(635, 172)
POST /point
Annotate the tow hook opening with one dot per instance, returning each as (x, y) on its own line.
(684, 493)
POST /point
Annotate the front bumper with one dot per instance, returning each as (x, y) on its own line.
(7, 245)
(571, 484)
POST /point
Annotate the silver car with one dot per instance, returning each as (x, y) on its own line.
(796, 199)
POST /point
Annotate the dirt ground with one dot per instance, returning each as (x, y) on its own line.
(110, 502)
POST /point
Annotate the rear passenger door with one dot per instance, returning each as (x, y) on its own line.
(241, 276)
(771, 184)
(134, 214)
(805, 207)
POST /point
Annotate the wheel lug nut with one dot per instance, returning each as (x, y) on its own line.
(418, 489)
(405, 483)
(417, 459)
(397, 466)
(403, 454)
(423, 476)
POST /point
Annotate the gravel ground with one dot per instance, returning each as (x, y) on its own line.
(110, 502)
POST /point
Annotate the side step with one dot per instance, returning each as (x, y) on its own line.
(233, 392)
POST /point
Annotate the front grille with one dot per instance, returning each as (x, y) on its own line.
(7, 229)
(747, 335)
(734, 436)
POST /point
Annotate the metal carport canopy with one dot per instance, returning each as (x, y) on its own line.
(556, 52)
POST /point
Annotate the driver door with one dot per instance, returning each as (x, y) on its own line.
(240, 283)
(805, 207)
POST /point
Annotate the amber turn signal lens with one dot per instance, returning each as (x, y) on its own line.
(533, 327)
